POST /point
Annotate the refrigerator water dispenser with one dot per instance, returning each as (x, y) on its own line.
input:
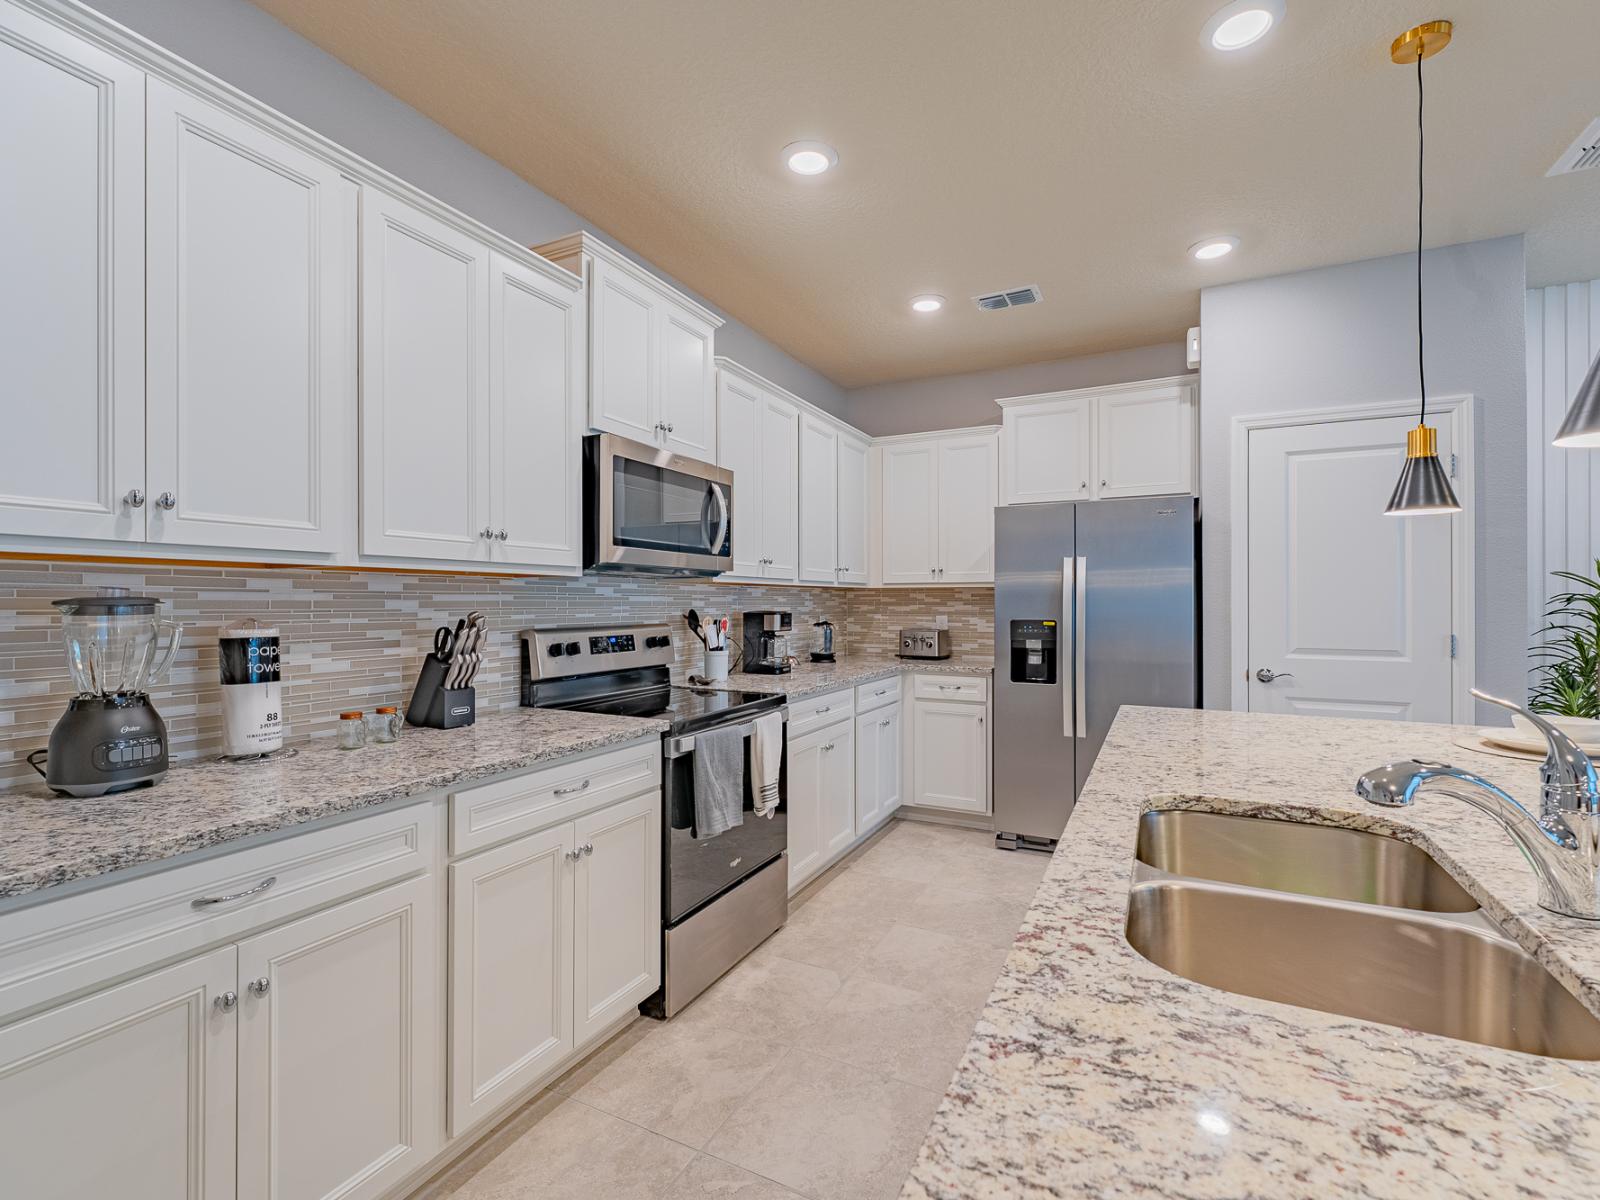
(1033, 651)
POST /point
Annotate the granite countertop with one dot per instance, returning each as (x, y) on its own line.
(1093, 1072)
(46, 840)
(813, 679)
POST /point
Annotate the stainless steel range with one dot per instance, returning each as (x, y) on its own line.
(721, 896)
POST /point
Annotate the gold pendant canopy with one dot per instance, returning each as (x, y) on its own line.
(1424, 41)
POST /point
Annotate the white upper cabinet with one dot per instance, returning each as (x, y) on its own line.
(425, 386)
(250, 377)
(966, 508)
(1047, 451)
(853, 510)
(739, 432)
(1133, 439)
(536, 389)
(938, 508)
(780, 488)
(72, 245)
(819, 500)
(652, 377)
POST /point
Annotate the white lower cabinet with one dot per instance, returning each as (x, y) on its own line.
(128, 1092)
(616, 947)
(950, 754)
(339, 1078)
(878, 755)
(821, 800)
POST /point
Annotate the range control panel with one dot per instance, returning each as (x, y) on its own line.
(584, 649)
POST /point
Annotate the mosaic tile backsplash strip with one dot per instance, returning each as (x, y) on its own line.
(357, 639)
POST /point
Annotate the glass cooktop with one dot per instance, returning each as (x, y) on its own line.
(687, 708)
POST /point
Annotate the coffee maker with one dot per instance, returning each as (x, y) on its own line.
(766, 642)
(110, 738)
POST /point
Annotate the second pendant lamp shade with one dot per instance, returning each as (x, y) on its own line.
(1424, 487)
(1581, 429)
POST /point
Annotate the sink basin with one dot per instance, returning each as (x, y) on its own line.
(1433, 974)
(1311, 860)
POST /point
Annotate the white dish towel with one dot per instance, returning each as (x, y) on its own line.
(766, 758)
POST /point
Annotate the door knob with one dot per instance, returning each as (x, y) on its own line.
(500, 535)
(486, 534)
(134, 499)
(260, 987)
(166, 501)
(226, 1002)
(1267, 675)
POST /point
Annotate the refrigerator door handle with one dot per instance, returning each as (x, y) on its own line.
(1068, 694)
(1080, 645)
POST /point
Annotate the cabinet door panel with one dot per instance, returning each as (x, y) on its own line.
(890, 788)
(780, 488)
(739, 432)
(621, 355)
(1048, 451)
(852, 511)
(869, 751)
(616, 955)
(536, 398)
(910, 513)
(966, 509)
(1146, 443)
(250, 366)
(339, 1076)
(127, 1092)
(687, 389)
(804, 804)
(839, 790)
(951, 756)
(72, 323)
(425, 388)
(819, 501)
(510, 971)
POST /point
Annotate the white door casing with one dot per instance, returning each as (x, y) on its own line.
(72, 241)
(1356, 607)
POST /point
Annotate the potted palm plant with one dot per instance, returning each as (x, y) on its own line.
(1566, 658)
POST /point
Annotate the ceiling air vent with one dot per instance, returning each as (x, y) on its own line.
(1581, 155)
(1011, 298)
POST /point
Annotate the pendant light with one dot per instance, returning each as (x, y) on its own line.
(1424, 487)
(1581, 429)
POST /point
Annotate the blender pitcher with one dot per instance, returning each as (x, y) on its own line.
(111, 643)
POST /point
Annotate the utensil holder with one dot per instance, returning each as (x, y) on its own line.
(437, 707)
(716, 665)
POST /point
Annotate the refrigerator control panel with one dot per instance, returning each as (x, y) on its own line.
(1033, 651)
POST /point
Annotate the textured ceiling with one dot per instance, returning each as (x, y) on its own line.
(1080, 146)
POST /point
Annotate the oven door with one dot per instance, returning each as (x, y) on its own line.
(698, 870)
(650, 511)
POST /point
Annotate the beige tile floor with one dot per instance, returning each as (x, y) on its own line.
(811, 1069)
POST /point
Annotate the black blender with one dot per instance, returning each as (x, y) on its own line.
(110, 738)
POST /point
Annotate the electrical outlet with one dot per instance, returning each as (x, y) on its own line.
(941, 622)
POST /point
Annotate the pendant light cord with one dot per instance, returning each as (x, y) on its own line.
(1422, 371)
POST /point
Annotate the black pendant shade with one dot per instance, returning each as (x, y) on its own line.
(1423, 488)
(1581, 429)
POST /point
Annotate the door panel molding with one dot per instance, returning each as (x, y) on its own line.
(1458, 411)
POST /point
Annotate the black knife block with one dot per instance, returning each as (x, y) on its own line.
(436, 706)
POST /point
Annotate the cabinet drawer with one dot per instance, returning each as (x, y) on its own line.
(81, 940)
(877, 693)
(484, 816)
(950, 687)
(816, 711)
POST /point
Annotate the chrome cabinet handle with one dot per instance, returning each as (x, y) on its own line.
(1102, 483)
(134, 498)
(829, 746)
(260, 987)
(884, 724)
(1267, 675)
(670, 426)
(569, 791)
(226, 1002)
(208, 901)
(166, 501)
(881, 692)
(486, 533)
(825, 708)
(586, 848)
(501, 535)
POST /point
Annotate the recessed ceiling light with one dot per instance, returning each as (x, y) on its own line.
(1216, 247)
(926, 304)
(810, 158)
(1242, 23)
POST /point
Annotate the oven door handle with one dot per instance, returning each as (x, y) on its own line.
(677, 747)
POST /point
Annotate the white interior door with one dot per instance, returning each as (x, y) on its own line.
(250, 361)
(1349, 608)
(71, 284)
(339, 1046)
(128, 1092)
(536, 401)
(911, 513)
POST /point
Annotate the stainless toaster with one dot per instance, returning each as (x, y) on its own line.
(925, 643)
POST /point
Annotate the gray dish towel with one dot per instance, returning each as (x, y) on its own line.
(718, 780)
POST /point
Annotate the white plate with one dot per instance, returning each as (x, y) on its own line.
(1583, 730)
(1476, 742)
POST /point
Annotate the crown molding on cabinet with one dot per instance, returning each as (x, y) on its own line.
(924, 435)
(574, 245)
(723, 363)
(92, 26)
(1110, 389)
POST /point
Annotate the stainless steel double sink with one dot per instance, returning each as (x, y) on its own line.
(1345, 922)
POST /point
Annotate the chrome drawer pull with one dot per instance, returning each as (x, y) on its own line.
(208, 901)
(568, 791)
(819, 711)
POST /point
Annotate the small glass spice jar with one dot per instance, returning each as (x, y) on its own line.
(352, 731)
(384, 724)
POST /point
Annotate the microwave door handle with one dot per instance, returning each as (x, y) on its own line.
(722, 519)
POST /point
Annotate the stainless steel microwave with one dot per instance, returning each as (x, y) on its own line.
(646, 510)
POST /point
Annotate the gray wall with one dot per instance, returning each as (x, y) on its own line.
(957, 401)
(1346, 335)
(245, 47)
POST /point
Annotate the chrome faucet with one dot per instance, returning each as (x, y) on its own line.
(1562, 843)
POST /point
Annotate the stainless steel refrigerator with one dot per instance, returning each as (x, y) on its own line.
(1096, 605)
